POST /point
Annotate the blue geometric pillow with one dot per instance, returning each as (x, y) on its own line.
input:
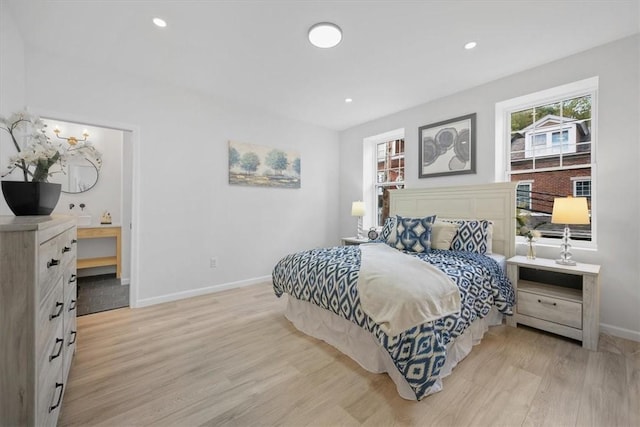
(388, 233)
(414, 234)
(472, 236)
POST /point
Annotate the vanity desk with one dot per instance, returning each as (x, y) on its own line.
(100, 232)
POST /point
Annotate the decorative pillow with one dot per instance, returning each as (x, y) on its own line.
(490, 238)
(414, 234)
(442, 234)
(388, 233)
(472, 236)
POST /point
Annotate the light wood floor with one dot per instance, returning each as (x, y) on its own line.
(231, 358)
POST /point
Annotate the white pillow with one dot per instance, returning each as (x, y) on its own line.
(442, 233)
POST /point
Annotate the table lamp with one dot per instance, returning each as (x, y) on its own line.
(357, 209)
(569, 211)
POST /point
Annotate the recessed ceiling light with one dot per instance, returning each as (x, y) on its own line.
(325, 35)
(160, 22)
(348, 100)
(470, 45)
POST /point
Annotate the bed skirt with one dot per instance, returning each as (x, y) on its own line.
(361, 346)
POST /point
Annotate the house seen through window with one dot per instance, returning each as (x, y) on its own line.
(549, 145)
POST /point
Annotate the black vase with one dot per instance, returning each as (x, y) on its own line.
(31, 198)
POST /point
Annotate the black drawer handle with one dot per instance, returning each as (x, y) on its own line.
(53, 262)
(74, 241)
(73, 305)
(59, 306)
(61, 387)
(74, 334)
(73, 278)
(547, 302)
(66, 249)
(57, 354)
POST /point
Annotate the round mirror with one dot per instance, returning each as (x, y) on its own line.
(79, 175)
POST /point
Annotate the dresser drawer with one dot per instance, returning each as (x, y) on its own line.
(49, 400)
(555, 310)
(67, 244)
(49, 266)
(50, 320)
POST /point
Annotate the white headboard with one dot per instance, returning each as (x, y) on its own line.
(495, 202)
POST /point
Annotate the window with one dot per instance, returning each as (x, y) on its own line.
(523, 195)
(546, 141)
(389, 175)
(582, 187)
(383, 170)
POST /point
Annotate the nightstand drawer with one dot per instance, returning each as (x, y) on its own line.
(555, 310)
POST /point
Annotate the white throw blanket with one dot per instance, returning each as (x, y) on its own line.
(399, 291)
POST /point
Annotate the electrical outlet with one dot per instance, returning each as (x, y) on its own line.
(213, 263)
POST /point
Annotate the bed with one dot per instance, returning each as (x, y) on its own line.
(326, 297)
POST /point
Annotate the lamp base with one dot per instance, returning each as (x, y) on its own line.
(360, 232)
(565, 261)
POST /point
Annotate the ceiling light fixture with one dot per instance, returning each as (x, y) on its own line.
(348, 100)
(160, 22)
(325, 35)
(470, 45)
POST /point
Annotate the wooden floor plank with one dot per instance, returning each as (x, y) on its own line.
(231, 358)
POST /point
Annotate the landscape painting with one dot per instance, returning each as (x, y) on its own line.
(262, 166)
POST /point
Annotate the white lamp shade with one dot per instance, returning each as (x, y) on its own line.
(357, 208)
(570, 210)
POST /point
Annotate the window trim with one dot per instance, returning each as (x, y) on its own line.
(503, 132)
(576, 179)
(528, 182)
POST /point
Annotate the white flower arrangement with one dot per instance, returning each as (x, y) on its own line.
(523, 229)
(39, 154)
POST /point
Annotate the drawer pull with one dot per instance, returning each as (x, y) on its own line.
(61, 387)
(57, 354)
(73, 278)
(73, 305)
(66, 249)
(74, 334)
(53, 263)
(59, 306)
(547, 303)
(74, 241)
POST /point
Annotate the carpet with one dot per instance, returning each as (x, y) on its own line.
(101, 293)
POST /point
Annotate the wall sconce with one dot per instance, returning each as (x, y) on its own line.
(357, 209)
(71, 140)
(569, 210)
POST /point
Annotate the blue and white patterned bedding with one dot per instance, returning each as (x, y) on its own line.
(328, 278)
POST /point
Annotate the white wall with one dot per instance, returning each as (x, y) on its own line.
(186, 211)
(618, 181)
(12, 81)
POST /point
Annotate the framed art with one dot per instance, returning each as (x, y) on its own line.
(447, 147)
(262, 166)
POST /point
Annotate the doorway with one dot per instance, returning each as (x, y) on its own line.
(99, 195)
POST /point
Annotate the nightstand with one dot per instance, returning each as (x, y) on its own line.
(354, 241)
(564, 300)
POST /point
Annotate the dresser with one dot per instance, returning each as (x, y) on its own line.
(37, 316)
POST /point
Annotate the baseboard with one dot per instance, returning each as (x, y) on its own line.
(197, 292)
(615, 331)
